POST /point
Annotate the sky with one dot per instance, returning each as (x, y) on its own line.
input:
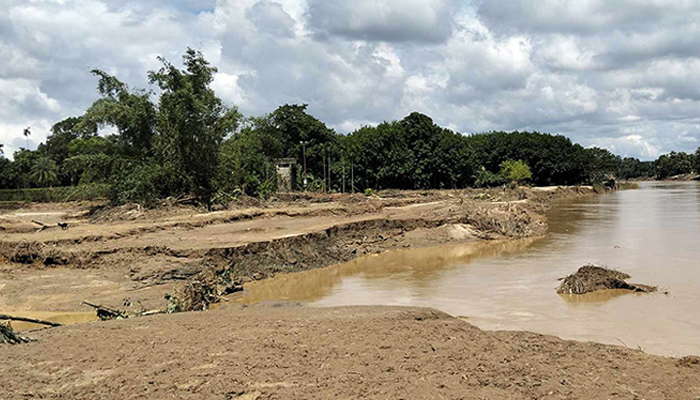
(619, 74)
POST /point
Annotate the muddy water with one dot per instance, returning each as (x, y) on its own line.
(652, 233)
(65, 318)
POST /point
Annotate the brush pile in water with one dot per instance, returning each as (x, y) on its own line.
(591, 278)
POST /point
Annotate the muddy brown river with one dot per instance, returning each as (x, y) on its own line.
(652, 234)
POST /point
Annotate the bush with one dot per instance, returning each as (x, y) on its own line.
(485, 178)
(57, 194)
(145, 184)
(515, 171)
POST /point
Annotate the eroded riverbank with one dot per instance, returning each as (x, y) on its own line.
(108, 258)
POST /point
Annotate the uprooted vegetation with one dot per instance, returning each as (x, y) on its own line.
(592, 278)
(8, 336)
(205, 289)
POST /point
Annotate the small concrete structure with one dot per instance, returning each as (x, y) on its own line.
(286, 174)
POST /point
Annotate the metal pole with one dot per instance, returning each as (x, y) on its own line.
(325, 178)
(352, 176)
(303, 145)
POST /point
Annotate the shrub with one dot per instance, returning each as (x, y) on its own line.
(145, 184)
(56, 194)
(485, 178)
(515, 171)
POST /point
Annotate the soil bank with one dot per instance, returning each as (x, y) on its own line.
(286, 352)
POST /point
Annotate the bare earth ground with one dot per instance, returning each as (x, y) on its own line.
(283, 351)
(114, 254)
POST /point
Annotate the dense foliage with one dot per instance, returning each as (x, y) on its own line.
(183, 141)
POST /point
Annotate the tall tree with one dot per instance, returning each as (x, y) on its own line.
(672, 164)
(130, 111)
(191, 122)
(27, 132)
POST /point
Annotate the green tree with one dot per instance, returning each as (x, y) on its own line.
(672, 164)
(515, 171)
(191, 123)
(244, 167)
(601, 164)
(43, 172)
(630, 168)
(697, 161)
(22, 165)
(130, 111)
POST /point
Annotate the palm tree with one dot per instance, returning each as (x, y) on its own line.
(44, 172)
(27, 133)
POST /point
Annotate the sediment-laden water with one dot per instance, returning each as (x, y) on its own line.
(652, 234)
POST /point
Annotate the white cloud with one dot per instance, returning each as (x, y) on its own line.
(625, 75)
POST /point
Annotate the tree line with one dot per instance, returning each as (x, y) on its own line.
(183, 140)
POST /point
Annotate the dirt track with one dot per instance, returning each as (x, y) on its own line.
(283, 352)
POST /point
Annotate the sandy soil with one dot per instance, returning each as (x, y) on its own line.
(286, 352)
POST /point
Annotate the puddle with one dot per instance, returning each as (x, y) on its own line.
(61, 317)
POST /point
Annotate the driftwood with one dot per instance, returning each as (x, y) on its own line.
(41, 224)
(108, 313)
(4, 317)
(105, 313)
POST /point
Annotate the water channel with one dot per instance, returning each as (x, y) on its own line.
(652, 234)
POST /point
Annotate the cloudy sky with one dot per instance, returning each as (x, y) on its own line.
(620, 74)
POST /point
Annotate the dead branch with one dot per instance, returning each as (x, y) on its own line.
(105, 313)
(4, 317)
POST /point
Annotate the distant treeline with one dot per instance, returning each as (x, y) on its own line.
(189, 143)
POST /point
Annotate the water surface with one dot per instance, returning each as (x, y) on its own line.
(652, 234)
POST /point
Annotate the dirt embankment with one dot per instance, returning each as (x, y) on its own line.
(109, 255)
(285, 352)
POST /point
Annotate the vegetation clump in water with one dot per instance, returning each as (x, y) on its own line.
(591, 278)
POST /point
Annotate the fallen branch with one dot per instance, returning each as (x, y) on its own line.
(4, 317)
(41, 224)
(106, 313)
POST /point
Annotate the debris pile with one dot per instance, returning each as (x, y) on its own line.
(8, 336)
(591, 278)
(200, 293)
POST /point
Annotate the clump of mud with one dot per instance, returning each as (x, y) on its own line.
(591, 278)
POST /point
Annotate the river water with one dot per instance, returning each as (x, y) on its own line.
(652, 234)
